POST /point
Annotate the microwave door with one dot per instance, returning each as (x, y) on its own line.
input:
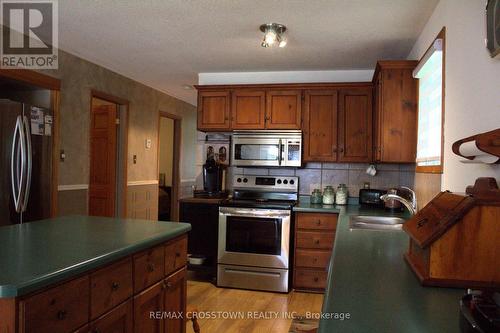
(252, 152)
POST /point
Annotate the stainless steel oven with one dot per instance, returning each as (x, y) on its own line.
(267, 148)
(254, 245)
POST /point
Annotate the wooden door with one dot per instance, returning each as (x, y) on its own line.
(213, 110)
(283, 109)
(355, 125)
(175, 301)
(102, 186)
(320, 125)
(398, 115)
(118, 320)
(150, 300)
(248, 110)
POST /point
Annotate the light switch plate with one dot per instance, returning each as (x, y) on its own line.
(148, 143)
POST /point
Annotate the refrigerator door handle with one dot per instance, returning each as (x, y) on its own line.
(29, 160)
(16, 168)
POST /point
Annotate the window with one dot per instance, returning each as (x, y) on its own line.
(430, 75)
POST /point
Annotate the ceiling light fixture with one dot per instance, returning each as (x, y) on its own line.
(274, 35)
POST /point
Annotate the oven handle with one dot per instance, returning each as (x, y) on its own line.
(244, 213)
(237, 271)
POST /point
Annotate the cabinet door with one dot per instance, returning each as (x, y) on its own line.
(283, 109)
(175, 302)
(355, 125)
(320, 125)
(377, 119)
(398, 111)
(149, 301)
(118, 320)
(248, 109)
(213, 110)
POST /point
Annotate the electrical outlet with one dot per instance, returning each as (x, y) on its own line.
(148, 143)
(134, 159)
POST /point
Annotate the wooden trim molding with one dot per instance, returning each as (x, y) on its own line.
(299, 86)
(437, 168)
(32, 77)
(142, 182)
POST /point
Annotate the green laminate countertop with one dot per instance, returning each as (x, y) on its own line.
(37, 254)
(369, 279)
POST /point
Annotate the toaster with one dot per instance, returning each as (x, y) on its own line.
(371, 197)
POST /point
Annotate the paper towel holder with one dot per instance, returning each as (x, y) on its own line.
(487, 142)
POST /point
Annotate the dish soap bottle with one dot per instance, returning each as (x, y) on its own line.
(342, 194)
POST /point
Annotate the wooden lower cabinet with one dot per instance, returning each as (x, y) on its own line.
(118, 320)
(175, 296)
(149, 301)
(314, 237)
(105, 301)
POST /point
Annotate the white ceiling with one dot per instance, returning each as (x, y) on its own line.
(165, 44)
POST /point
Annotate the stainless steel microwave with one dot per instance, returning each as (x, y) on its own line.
(267, 148)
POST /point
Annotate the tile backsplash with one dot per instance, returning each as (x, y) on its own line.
(319, 175)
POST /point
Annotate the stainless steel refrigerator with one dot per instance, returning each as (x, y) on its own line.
(25, 162)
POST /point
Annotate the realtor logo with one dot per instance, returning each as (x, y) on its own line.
(29, 34)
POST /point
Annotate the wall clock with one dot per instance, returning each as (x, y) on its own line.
(493, 27)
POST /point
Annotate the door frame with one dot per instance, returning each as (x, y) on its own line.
(54, 85)
(176, 180)
(120, 102)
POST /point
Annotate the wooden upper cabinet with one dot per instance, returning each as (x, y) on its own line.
(319, 126)
(355, 125)
(283, 109)
(248, 109)
(395, 112)
(213, 110)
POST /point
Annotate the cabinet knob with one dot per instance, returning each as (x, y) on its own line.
(315, 259)
(61, 315)
(316, 242)
(151, 267)
(316, 279)
(115, 286)
(167, 285)
(341, 150)
(318, 222)
(96, 330)
(334, 149)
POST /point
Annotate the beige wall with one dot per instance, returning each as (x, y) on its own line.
(166, 148)
(472, 103)
(78, 77)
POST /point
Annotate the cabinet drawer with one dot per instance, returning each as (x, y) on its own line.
(310, 279)
(175, 255)
(110, 286)
(316, 221)
(60, 309)
(312, 258)
(315, 239)
(149, 268)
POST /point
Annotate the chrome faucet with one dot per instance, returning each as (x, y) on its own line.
(411, 204)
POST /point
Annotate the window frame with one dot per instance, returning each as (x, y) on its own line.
(438, 169)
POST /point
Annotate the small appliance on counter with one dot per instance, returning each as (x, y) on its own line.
(371, 197)
(480, 311)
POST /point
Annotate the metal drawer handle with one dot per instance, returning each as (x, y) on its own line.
(115, 286)
(61, 315)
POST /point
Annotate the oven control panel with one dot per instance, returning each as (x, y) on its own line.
(275, 183)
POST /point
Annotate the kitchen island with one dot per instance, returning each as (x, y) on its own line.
(90, 273)
(370, 282)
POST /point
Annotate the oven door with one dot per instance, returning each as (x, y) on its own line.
(254, 237)
(257, 152)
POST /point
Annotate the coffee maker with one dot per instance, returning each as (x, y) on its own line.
(212, 177)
